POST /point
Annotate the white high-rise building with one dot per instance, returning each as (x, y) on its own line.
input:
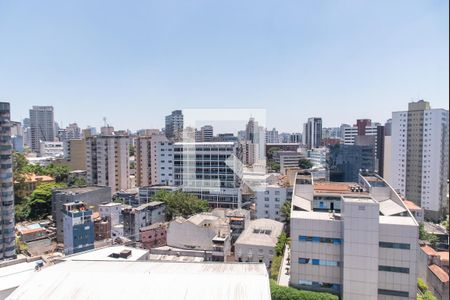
(419, 161)
(108, 162)
(206, 133)
(42, 126)
(154, 160)
(350, 133)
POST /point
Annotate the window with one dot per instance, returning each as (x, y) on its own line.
(393, 269)
(394, 245)
(393, 293)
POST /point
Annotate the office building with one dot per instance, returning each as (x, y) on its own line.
(257, 242)
(419, 165)
(92, 196)
(346, 161)
(146, 193)
(287, 159)
(174, 125)
(7, 232)
(246, 152)
(357, 240)
(142, 216)
(107, 161)
(201, 168)
(42, 126)
(154, 160)
(78, 228)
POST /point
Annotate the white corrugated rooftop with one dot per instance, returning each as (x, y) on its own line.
(147, 280)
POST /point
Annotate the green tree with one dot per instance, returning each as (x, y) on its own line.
(286, 214)
(425, 236)
(305, 163)
(77, 181)
(287, 293)
(39, 204)
(181, 204)
(132, 150)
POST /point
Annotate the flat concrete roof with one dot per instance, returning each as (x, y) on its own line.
(261, 232)
(147, 280)
(14, 276)
(81, 190)
(100, 254)
(397, 220)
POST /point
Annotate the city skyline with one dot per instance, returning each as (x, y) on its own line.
(162, 57)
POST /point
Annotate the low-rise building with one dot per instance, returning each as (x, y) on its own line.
(257, 242)
(92, 196)
(102, 227)
(238, 219)
(78, 228)
(51, 149)
(203, 232)
(31, 182)
(432, 267)
(415, 210)
(142, 216)
(154, 235)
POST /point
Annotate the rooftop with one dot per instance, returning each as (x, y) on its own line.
(81, 190)
(262, 232)
(439, 273)
(411, 205)
(103, 254)
(444, 257)
(338, 188)
(141, 280)
(428, 250)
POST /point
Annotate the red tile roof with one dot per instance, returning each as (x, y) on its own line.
(444, 256)
(428, 250)
(411, 205)
(439, 272)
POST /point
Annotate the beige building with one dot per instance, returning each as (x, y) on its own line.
(154, 160)
(75, 154)
(257, 242)
(107, 161)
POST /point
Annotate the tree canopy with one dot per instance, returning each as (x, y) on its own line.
(305, 163)
(288, 293)
(181, 204)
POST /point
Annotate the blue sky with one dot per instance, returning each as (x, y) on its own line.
(135, 61)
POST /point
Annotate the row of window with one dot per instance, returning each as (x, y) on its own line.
(393, 269)
(324, 285)
(394, 245)
(393, 293)
(317, 239)
(318, 262)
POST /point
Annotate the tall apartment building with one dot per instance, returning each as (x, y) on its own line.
(206, 134)
(174, 125)
(71, 132)
(78, 228)
(201, 168)
(7, 232)
(107, 161)
(363, 127)
(312, 133)
(42, 126)
(154, 160)
(272, 136)
(419, 162)
(357, 240)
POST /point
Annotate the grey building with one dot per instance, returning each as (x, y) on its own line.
(142, 216)
(174, 125)
(312, 133)
(91, 196)
(42, 126)
(7, 233)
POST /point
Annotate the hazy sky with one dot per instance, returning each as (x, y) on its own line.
(135, 61)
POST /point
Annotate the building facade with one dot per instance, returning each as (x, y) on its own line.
(7, 232)
(346, 161)
(108, 161)
(42, 126)
(174, 125)
(142, 216)
(312, 133)
(91, 196)
(78, 228)
(154, 161)
(201, 169)
(357, 240)
(419, 162)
